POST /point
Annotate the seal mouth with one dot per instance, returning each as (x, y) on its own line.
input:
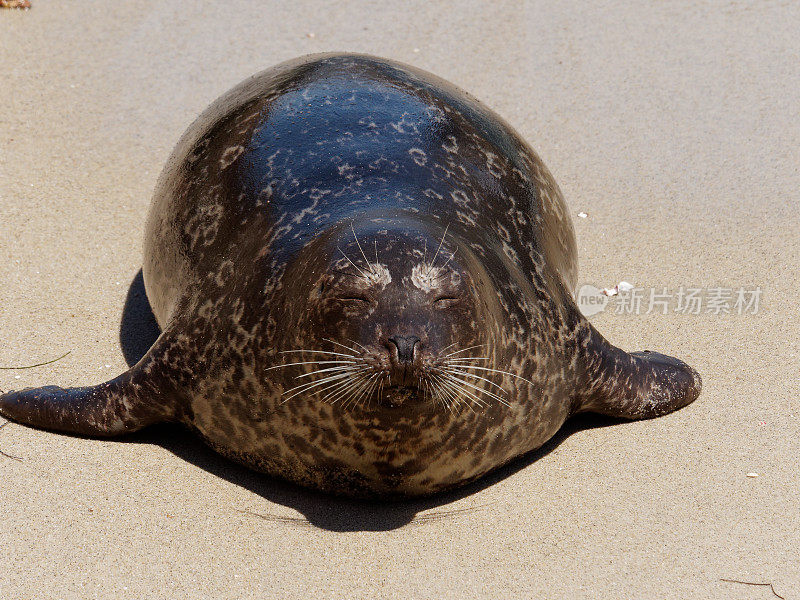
(367, 380)
(396, 396)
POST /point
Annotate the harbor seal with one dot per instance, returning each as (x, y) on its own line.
(365, 284)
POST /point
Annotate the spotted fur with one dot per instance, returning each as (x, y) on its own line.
(314, 214)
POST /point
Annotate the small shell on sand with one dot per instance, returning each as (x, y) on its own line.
(24, 4)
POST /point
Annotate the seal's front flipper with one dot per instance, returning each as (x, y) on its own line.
(121, 405)
(637, 385)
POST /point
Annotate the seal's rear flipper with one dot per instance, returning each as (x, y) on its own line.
(637, 385)
(122, 405)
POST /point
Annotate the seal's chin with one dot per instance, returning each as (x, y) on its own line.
(397, 396)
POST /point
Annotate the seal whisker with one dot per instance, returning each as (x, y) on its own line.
(336, 388)
(448, 347)
(348, 386)
(497, 371)
(447, 262)
(460, 386)
(439, 248)
(345, 386)
(380, 390)
(365, 389)
(359, 381)
(349, 274)
(462, 383)
(342, 345)
(342, 393)
(363, 274)
(437, 394)
(366, 260)
(371, 392)
(424, 388)
(463, 350)
(459, 360)
(461, 395)
(434, 390)
(467, 398)
(445, 398)
(312, 384)
(434, 393)
(448, 391)
(375, 378)
(322, 352)
(459, 372)
(314, 362)
(357, 344)
(316, 371)
(304, 387)
(479, 389)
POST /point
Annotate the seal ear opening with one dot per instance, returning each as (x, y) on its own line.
(637, 385)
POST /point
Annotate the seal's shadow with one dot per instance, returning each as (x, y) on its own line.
(138, 331)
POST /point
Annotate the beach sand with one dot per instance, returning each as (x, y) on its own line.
(673, 127)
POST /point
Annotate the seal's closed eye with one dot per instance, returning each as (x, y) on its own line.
(362, 299)
(445, 301)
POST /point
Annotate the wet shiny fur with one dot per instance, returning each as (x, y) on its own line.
(364, 279)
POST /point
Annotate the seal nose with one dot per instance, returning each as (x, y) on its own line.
(406, 348)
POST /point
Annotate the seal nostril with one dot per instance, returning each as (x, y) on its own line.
(406, 347)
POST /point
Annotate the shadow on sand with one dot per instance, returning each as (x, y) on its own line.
(138, 331)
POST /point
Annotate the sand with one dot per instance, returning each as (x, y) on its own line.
(672, 126)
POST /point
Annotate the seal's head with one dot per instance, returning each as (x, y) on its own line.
(396, 313)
